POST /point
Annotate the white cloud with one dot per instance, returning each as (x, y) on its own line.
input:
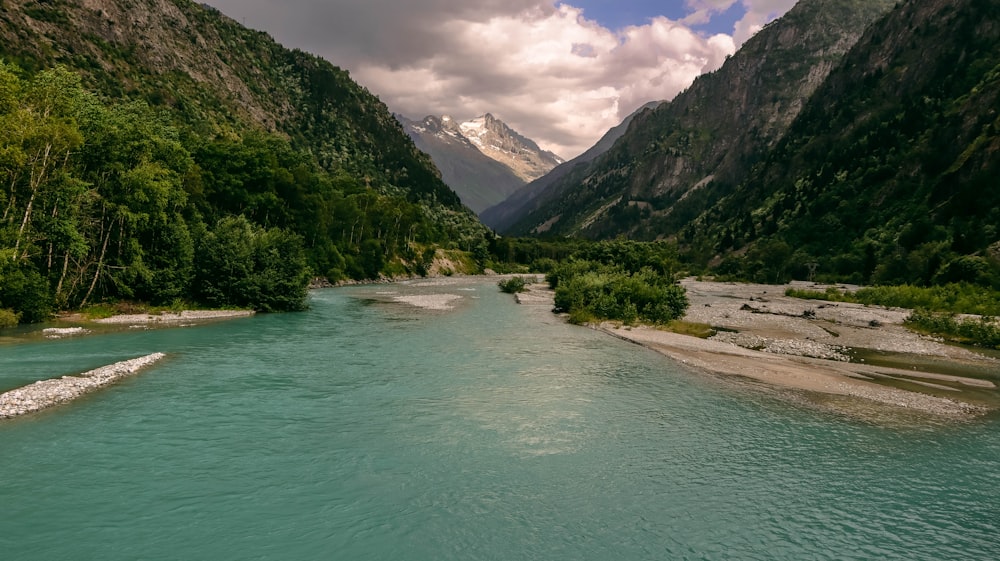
(757, 14)
(546, 70)
(551, 74)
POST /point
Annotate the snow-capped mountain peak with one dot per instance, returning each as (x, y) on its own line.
(482, 159)
(498, 141)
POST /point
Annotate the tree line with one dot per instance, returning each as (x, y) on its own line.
(112, 200)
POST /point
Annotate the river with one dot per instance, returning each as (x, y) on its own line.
(366, 428)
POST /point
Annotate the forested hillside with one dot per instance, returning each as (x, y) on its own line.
(675, 160)
(890, 174)
(885, 172)
(156, 150)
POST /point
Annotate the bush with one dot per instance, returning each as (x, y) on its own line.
(25, 292)
(8, 318)
(580, 317)
(586, 289)
(983, 331)
(513, 285)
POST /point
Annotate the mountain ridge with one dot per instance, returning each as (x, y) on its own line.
(498, 141)
(504, 214)
(888, 175)
(482, 159)
(710, 134)
(880, 169)
(480, 181)
(159, 50)
(160, 152)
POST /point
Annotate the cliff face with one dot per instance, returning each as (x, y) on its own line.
(132, 42)
(889, 172)
(700, 145)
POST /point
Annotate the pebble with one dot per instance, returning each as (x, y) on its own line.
(795, 347)
(913, 400)
(60, 332)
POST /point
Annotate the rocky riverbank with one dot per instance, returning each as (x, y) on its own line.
(787, 342)
(49, 393)
(174, 318)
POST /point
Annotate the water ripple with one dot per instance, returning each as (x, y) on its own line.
(359, 431)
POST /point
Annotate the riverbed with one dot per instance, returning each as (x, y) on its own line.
(374, 427)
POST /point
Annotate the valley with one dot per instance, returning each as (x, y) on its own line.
(752, 314)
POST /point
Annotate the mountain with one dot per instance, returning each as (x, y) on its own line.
(156, 150)
(498, 141)
(479, 180)
(526, 199)
(889, 174)
(217, 74)
(677, 159)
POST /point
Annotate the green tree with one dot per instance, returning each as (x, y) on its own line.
(243, 265)
(135, 164)
(23, 290)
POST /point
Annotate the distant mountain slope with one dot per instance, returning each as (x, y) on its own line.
(155, 150)
(479, 180)
(531, 196)
(500, 142)
(218, 75)
(890, 173)
(676, 160)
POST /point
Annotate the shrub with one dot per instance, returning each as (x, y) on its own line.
(8, 318)
(580, 317)
(983, 331)
(608, 293)
(513, 285)
(25, 292)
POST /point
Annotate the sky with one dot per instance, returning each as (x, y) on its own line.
(561, 72)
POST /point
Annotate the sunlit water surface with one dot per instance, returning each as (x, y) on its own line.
(369, 429)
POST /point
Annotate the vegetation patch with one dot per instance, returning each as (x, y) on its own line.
(513, 285)
(699, 330)
(956, 298)
(981, 332)
(622, 281)
(8, 318)
(937, 308)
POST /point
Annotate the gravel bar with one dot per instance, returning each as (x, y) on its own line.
(48, 393)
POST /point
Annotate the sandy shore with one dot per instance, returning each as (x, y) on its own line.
(49, 393)
(809, 345)
(171, 317)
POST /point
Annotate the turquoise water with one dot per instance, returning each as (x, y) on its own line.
(367, 429)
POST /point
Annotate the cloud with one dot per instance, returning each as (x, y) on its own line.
(757, 13)
(542, 67)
